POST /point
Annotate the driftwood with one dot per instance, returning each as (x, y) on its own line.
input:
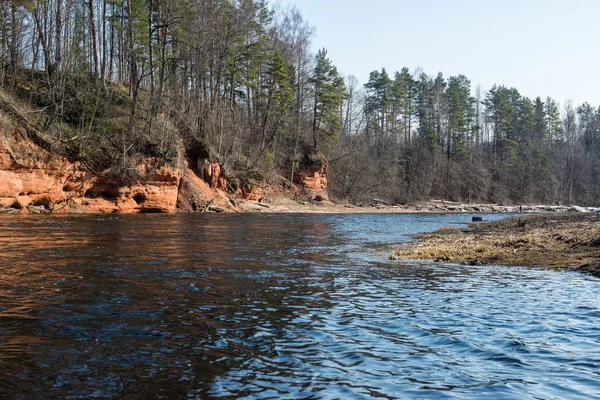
(383, 202)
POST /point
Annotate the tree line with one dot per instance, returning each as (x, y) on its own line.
(439, 139)
(235, 80)
(434, 137)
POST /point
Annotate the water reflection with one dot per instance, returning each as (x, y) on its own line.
(196, 306)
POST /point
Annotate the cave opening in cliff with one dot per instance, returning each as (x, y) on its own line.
(199, 160)
(139, 198)
(106, 194)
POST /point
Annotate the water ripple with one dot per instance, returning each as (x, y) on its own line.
(287, 306)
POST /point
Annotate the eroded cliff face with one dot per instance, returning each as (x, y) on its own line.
(44, 183)
(197, 195)
(314, 183)
(32, 180)
(310, 183)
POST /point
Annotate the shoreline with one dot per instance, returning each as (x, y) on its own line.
(286, 205)
(562, 242)
(281, 204)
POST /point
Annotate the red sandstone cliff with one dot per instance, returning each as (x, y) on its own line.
(54, 184)
(34, 180)
(314, 183)
(197, 195)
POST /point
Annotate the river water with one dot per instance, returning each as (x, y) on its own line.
(279, 306)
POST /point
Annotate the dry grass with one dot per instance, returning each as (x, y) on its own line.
(559, 242)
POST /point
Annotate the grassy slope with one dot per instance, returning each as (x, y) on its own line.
(78, 117)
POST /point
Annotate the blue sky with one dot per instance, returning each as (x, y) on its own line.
(541, 47)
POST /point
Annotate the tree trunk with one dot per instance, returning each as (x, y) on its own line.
(315, 109)
(103, 71)
(42, 38)
(111, 58)
(133, 71)
(58, 35)
(13, 45)
(150, 53)
(93, 37)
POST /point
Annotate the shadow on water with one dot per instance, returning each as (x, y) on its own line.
(274, 306)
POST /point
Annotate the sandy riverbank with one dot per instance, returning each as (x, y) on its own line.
(554, 241)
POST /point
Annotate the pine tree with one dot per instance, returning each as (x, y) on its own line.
(460, 115)
(554, 123)
(588, 126)
(410, 92)
(501, 111)
(329, 92)
(430, 99)
(540, 129)
(381, 96)
(280, 95)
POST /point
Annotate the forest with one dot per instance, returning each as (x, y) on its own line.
(236, 81)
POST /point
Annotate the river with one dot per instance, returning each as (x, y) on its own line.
(279, 306)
